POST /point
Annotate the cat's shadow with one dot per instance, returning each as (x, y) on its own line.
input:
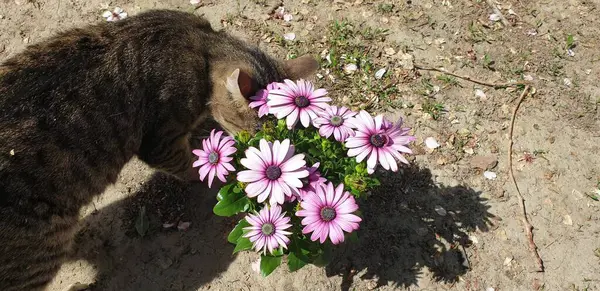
(164, 258)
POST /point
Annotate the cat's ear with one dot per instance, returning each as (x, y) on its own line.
(239, 83)
(301, 68)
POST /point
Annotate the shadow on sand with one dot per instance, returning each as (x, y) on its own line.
(165, 258)
(410, 223)
(402, 232)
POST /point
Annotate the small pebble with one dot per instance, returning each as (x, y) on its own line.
(183, 226)
(567, 220)
(440, 210)
(489, 175)
(494, 17)
(379, 74)
(350, 68)
(431, 143)
(479, 93)
(289, 36)
(390, 51)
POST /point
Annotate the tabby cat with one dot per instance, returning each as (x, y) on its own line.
(77, 107)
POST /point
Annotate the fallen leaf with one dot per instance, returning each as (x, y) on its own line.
(390, 51)
(486, 162)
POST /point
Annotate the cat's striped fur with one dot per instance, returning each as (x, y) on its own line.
(78, 106)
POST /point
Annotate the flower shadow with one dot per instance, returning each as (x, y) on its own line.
(409, 224)
(164, 258)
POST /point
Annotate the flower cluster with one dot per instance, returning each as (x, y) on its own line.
(312, 160)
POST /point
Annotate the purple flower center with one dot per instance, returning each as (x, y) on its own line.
(328, 214)
(213, 157)
(301, 101)
(378, 140)
(273, 172)
(336, 120)
(267, 228)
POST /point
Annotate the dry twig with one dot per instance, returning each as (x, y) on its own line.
(528, 227)
(497, 12)
(493, 85)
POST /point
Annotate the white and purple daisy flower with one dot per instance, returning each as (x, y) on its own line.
(333, 121)
(379, 142)
(297, 102)
(311, 182)
(267, 230)
(328, 213)
(260, 99)
(214, 157)
(274, 171)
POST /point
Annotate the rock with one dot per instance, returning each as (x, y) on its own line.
(487, 162)
(165, 262)
(567, 220)
(406, 61)
(440, 210)
(464, 132)
(390, 51)
(431, 143)
(422, 231)
(489, 175)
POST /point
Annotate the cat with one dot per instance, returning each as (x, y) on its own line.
(75, 108)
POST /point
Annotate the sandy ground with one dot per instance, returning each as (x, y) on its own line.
(437, 225)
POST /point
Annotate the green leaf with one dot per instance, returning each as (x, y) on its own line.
(323, 258)
(141, 222)
(353, 237)
(570, 41)
(237, 232)
(230, 203)
(268, 264)
(296, 262)
(243, 243)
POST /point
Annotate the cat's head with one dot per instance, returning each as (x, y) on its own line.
(229, 103)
